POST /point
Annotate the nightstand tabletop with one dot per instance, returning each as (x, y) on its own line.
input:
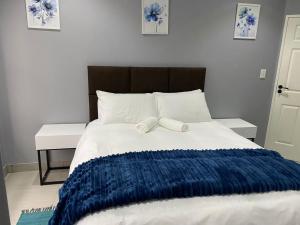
(240, 126)
(61, 129)
(235, 123)
(59, 136)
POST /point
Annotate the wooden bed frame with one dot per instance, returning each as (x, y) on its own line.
(141, 80)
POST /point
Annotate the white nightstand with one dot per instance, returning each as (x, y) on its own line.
(56, 137)
(242, 127)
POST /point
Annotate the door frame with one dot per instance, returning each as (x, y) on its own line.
(287, 17)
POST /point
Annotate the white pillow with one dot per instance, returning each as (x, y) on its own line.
(188, 107)
(125, 108)
(99, 94)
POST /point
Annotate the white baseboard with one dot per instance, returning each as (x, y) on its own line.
(5, 172)
(23, 167)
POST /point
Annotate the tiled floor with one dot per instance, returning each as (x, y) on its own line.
(24, 192)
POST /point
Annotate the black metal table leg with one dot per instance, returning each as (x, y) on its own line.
(40, 167)
(43, 178)
(47, 158)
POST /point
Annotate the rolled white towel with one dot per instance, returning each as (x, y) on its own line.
(147, 124)
(173, 125)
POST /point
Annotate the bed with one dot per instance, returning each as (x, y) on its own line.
(276, 208)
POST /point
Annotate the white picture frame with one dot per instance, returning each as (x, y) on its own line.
(246, 22)
(43, 14)
(155, 17)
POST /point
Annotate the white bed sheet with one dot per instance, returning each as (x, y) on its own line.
(275, 208)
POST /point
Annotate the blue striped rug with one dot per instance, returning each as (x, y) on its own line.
(39, 216)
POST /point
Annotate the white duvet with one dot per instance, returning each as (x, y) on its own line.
(276, 208)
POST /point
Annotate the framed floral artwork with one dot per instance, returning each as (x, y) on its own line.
(246, 22)
(155, 16)
(43, 14)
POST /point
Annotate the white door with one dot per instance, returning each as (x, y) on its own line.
(284, 125)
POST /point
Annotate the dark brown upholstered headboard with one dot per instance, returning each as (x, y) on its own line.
(141, 80)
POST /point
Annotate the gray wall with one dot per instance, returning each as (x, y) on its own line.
(4, 215)
(292, 7)
(5, 134)
(45, 72)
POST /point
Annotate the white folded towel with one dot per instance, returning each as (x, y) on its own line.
(147, 124)
(173, 125)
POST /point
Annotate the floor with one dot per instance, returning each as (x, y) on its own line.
(24, 192)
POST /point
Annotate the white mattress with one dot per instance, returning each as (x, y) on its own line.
(276, 208)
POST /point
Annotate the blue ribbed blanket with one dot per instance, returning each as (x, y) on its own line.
(142, 176)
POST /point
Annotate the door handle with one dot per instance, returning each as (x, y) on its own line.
(280, 87)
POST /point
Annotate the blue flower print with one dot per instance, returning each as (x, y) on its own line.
(245, 22)
(49, 5)
(43, 10)
(243, 13)
(153, 12)
(251, 20)
(34, 10)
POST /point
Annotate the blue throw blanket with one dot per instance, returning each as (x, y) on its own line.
(142, 176)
